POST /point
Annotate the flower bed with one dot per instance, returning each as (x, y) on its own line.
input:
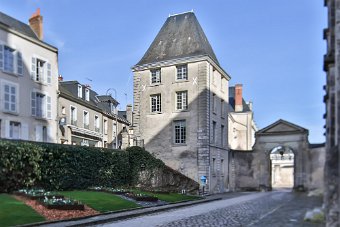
(37, 194)
(141, 197)
(61, 204)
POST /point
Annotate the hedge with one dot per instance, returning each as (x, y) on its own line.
(67, 167)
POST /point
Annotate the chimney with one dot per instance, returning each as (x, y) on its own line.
(60, 78)
(129, 113)
(36, 24)
(238, 98)
(250, 104)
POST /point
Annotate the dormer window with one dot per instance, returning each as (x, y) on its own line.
(87, 94)
(80, 93)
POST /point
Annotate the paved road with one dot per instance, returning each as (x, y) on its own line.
(277, 208)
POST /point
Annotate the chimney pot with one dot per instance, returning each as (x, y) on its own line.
(60, 78)
(36, 24)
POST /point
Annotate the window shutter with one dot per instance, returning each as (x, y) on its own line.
(38, 133)
(1, 56)
(19, 64)
(7, 129)
(7, 94)
(33, 103)
(49, 107)
(49, 73)
(34, 68)
(24, 131)
(49, 134)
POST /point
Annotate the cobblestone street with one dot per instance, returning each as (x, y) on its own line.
(277, 208)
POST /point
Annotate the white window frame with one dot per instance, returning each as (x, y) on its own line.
(46, 76)
(46, 105)
(155, 76)
(86, 119)
(96, 123)
(105, 126)
(87, 94)
(17, 60)
(179, 132)
(73, 121)
(11, 130)
(182, 72)
(80, 91)
(10, 102)
(181, 100)
(156, 103)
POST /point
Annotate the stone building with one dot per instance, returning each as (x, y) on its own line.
(241, 124)
(181, 100)
(28, 81)
(88, 119)
(332, 116)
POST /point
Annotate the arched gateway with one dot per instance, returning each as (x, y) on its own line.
(281, 157)
(280, 153)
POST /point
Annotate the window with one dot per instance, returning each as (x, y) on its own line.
(96, 123)
(180, 132)
(63, 110)
(86, 119)
(10, 60)
(214, 103)
(14, 130)
(10, 98)
(44, 133)
(222, 167)
(214, 166)
(182, 100)
(155, 76)
(182, 72)
(80, 91)
(213, 139)
(73, 115)
(41, 105)
(155, 103)
(105, 126)
(87, 94)
(41, 71)
(222, 108)
(222, 135)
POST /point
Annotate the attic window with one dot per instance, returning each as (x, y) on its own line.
(87, 94)
(80, 94)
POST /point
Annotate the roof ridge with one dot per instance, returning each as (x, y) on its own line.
(177, 14)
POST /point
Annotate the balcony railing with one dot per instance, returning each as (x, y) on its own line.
(97, 129)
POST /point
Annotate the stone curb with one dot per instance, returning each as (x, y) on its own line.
(119, 215)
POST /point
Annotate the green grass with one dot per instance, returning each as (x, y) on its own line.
(100, 201)
(14, 212)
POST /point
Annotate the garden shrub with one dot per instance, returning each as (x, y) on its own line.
(19, 164)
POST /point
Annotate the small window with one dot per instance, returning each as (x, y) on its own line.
(155, 76)
(73, 116)
(8, 59)
(180, 132)
(87, 94)
(214, 102)
(214, 166)
(105, 126)
(222, 135)
(40, 72)
(222, 108)
(44, 133)
(182, 72)
(222, 167)
(213, 139)
(155, 103)
(96, 123)
(182, 100)
(63, 110)
(14, 130)
(80, 91)
(10, 98)
(11, 60)
(86, 119)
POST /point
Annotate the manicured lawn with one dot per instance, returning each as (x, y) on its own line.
(14, 212)
(100, 201)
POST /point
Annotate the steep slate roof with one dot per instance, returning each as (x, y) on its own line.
(232, 100)
(20, 27)
(181, 36)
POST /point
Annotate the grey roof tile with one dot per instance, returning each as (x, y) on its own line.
(181, 36)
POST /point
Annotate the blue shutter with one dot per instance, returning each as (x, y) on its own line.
(34, 68)
(33, 103)
(19, 64)
(49, 73)
(1, 57)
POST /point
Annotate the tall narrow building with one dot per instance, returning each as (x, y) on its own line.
(180, 102)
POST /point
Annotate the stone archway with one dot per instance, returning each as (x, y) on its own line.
(281, 134)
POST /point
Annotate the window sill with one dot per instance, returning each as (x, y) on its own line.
(179, 144)
(40, 82)
(10, 112)
(180, 111)
(41, 118)
(181, 81)
(155, 113)
(11, 73)
(155, 84)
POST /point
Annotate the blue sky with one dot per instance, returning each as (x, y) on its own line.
(274, 48)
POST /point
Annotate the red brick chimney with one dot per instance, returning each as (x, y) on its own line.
(238, 98)
(36, 24)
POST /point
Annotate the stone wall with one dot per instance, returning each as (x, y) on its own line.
(166, 179)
